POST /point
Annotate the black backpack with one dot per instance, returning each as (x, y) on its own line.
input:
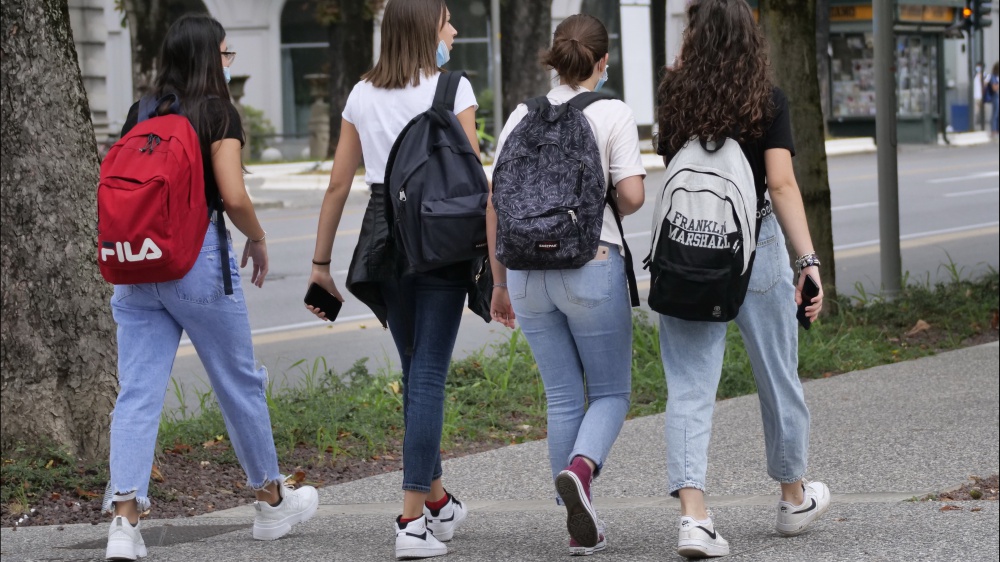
(703, 237)
(549, 190)
(436, 187)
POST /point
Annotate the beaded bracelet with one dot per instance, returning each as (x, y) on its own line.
(807, 260)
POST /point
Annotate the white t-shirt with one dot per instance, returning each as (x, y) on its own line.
(380, 114)
(617, 139)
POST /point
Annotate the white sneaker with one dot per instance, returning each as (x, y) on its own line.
(296, 506)
(695, 540)
(444, 521)
(415, 540)
(794, 519)
(124, 541)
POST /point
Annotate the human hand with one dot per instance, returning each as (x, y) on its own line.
(813, 309)
(321, 276)
(500, 308)
(257, 252)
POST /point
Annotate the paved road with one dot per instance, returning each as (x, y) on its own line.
(948, 210)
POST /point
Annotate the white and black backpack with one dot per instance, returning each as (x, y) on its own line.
(704, 227)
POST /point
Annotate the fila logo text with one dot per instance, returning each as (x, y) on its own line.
(123, 251)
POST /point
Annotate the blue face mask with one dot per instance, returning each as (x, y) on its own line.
(602, 79)
(443, 55)
(225, 72)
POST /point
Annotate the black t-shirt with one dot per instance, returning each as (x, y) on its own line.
(778, 134)
(215, 108)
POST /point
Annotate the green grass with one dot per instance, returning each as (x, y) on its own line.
(495, 396)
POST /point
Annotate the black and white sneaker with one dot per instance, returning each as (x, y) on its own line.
(444, 521)
(794, 519)
(414, 540)
(700, 540)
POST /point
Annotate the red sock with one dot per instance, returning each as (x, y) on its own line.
(437, 505)
(404, 520)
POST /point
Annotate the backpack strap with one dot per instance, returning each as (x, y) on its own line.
(447, 89)
(541, 102)
(633, 288)
(582, 100)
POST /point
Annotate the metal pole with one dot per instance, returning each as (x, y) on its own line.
(970, 50)
(497, 69)
(885, 139)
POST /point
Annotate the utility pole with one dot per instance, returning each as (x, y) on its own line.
(497, 69)
(885, 139)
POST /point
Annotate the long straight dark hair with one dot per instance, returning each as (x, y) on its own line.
(191, 67)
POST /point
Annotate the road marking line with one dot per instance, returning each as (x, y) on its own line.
(854, 206)
(973, 192)
(916, 240)
(992, 174)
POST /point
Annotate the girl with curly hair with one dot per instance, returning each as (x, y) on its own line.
(720, 87)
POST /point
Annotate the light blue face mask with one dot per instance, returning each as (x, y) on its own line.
(225, 72)
(443, 55)
(602, 79)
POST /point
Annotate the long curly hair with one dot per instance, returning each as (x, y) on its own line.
(721, 84)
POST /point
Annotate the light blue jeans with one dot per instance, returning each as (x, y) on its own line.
(150, 318)
(692, 358)
(578, 323)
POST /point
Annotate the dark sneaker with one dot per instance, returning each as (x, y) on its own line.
(695, 540)
(794, 519)
(575, 549)
(124, 541)
(444, 521)
(414, 540)
(581, 519)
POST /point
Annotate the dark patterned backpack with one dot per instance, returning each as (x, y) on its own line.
(549, 190)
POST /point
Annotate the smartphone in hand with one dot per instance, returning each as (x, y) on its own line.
(320, 298)
(810, 290)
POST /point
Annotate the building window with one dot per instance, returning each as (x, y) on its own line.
(304, 50)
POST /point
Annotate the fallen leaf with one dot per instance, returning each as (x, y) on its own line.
(85, 494)
(180, 449)
(395, 387)
(50, 463)
(55, 496)
(296, 477)
(976, 509)
(920, 326)
(156, 475)
(949, 507)
(210, 443)
(205, 464)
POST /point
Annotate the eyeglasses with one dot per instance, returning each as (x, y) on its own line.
(230, 56)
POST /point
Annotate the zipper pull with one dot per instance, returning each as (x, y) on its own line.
(402, 195)
(572, 215)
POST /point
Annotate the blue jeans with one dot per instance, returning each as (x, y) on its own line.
(578, 323)
(434, 307)
(150, 317)
(692, 358)
(994, 123)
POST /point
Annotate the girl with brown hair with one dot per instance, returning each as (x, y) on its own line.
(578, 322)
(422, 311)
(720, 87)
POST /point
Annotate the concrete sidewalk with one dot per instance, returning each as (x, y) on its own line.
(879, 438)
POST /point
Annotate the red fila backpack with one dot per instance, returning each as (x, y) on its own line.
(152, 213)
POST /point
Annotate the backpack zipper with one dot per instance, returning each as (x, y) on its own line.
(572, 215)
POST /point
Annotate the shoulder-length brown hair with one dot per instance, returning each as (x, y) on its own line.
(577, 44)
(721, 85)
(410, 30)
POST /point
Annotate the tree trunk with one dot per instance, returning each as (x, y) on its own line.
(790, 26)
(148, 22)
(525, 31)
(351, 50)
(58, 378)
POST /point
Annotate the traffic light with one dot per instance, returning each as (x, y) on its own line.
(981, 14)
(966, 18)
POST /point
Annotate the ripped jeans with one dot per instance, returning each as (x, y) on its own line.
(150, 317)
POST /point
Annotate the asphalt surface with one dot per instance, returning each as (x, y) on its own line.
(880, 438)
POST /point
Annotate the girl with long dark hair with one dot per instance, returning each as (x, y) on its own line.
(579, 321)
(422, 311)
(720, 87)
(194, 70)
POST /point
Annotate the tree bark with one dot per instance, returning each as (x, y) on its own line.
(351, 37)
(148, 22)
(58, 357)
(790, 26)
(525, 31)
(823, 57)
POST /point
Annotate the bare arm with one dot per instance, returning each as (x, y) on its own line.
(228, 172)
(345, 163)
(791, 213)
(630, 194)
